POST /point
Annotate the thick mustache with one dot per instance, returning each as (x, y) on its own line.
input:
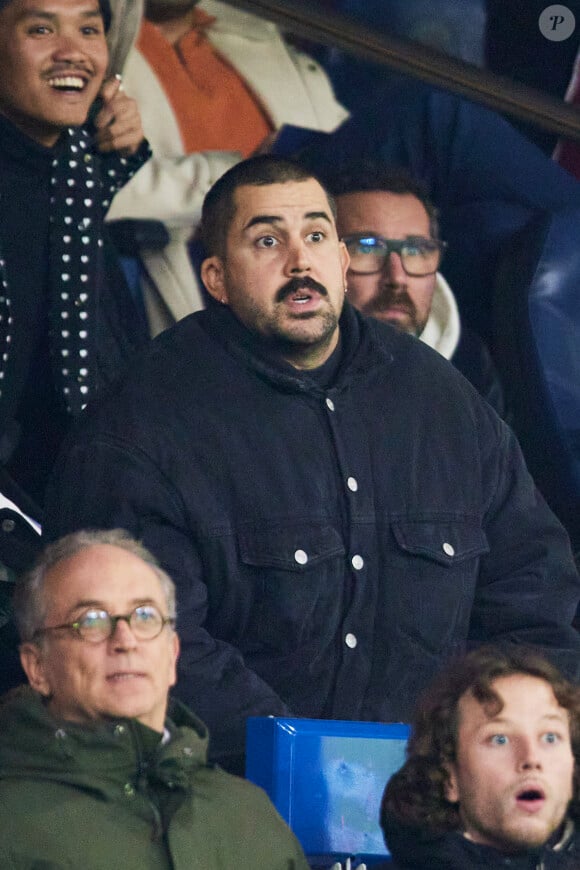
(389, 298)
(68, 68)
(295, 284)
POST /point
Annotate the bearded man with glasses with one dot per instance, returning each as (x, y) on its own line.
(93, 771)
(391, 231)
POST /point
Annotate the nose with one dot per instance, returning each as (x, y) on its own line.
(123, 637)
(298, 260)
(393, 269)
(528, 755)
(68, 48)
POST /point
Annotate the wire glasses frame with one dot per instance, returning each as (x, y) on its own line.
(419, 255)
(95, 625)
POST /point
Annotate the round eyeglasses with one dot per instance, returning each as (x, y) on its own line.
(419, 256)
(95, 625)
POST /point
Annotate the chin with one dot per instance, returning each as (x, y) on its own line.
(528, 836)
(395, 322)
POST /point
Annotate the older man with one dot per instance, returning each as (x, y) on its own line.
(92, 771)
(491, 778)
(340, 509)
(391, 230)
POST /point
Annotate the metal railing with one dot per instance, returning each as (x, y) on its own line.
(436, 68)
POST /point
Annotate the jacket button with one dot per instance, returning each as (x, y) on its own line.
(448, 549)
(301, 557)
(8, 525)
(330, 404)
(357, 562)
(350, 640)
(352, 484)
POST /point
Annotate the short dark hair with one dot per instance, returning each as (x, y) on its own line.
(415, 796)
(368, 175)
(104, 6)
(219, 206)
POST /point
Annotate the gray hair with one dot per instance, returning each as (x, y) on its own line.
(29, 603)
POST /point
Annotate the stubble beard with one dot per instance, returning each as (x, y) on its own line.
(510, 836)
(294, 340)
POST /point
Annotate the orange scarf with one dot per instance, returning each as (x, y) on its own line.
(214, 109)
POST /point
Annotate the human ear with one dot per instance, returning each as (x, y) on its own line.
(344, 261)
(451, 788)
(175, 650)
(32, 660)
(212, 275)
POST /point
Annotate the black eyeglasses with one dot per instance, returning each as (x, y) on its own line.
(146, 622)
(419, 256)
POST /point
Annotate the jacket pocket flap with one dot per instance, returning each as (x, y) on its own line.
(448, 542)
(293, 547)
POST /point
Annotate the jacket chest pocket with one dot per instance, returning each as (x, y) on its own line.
(296, 572)
(433, 566)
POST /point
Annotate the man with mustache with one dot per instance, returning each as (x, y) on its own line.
(391, 231)
(214, 83)
(67, 321)
(340, 509)
(491, 778)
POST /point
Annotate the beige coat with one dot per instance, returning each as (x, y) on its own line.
(292, 89)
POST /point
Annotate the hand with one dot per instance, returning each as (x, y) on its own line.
(118, 123)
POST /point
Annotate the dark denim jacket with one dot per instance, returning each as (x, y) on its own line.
(331, 547)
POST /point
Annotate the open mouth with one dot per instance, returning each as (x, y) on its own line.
(531, 798)
(302, 297)
(69, 83)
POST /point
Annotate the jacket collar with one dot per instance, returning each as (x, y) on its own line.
(230, 21)
(442, 330)
(420, 849)
(34, 743)
(365, 345)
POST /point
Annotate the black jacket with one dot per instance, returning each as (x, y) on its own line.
(416, 850)
(52, 320)
(331, 546)
(19, 545)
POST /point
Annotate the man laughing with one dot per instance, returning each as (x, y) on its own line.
(67, 322)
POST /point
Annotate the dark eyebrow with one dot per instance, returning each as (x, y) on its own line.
(274, 219)
(262, 219)
(52, 16)
(315, 215)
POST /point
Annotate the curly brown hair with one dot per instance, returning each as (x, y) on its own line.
(416, 795)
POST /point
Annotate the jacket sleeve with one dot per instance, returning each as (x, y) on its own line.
(118, 170)
(474, 360)
(528, 588)
(251, 810)
(172, 189)
(121, 487)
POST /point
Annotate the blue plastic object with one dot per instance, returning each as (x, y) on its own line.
(326, 779)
